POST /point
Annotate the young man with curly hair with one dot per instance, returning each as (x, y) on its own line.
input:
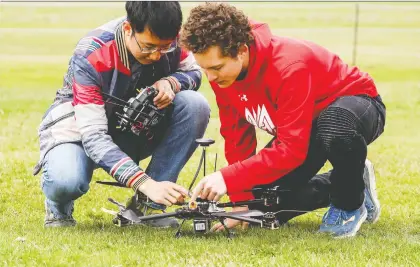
(316, 106)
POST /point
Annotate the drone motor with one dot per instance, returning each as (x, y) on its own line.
(270, 221)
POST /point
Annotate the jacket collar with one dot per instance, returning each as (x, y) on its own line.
(121, 47)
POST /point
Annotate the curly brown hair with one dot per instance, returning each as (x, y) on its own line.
(219, 24)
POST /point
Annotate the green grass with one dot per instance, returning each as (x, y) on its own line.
(36, 41)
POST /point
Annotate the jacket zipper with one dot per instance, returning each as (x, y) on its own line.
(58, 119)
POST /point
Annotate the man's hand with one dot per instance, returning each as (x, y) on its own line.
(165, 95)
(230, 223)
(212, 187)
(166, 193)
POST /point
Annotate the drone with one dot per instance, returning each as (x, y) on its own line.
(201, 212)
(139, 113)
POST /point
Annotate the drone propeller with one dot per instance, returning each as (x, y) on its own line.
(130, 215)
(247, 213)
(157, 216)
(111, 183)
(120, 206)
(303, 211)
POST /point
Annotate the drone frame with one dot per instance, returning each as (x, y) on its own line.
(205, 211)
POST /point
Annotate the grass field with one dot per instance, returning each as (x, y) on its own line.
(36, 41)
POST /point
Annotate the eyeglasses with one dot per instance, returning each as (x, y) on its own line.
(151, 50)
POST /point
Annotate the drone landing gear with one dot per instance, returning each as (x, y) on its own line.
(178, 232)
(229, 234)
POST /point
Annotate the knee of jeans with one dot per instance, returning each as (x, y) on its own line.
(64, 188)
(193, 106)
(336, 125)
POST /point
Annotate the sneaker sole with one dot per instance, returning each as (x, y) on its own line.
(371, 188)
(353, 233)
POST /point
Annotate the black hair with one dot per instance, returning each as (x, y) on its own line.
(163, 18)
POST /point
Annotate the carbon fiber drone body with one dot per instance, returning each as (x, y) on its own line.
(202, 212)
(139, 112)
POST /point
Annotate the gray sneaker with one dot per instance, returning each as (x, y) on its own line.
(52, 221)
(371, 197)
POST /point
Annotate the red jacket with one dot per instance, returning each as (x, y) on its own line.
(289, 82)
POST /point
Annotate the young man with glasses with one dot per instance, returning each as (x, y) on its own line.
(315, 106)
(79, 131)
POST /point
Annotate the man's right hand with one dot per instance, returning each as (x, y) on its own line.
(166, 193)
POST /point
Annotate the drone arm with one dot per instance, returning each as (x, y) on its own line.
(246, 213)
(114, 97)
(240, 218)
(158, 216)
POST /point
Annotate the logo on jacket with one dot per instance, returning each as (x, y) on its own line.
(243, 98)
(261, 119)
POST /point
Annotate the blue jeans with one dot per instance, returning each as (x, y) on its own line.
(67, 170)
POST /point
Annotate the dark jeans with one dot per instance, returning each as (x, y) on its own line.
(340, 134)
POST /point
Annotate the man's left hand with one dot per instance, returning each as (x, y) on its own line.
(212, 187)
(165, 95)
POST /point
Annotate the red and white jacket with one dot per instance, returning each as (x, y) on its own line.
(101, 63)
(289, 82)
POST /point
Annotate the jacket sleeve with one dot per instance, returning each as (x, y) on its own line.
(240, 138)
(294, 122)
(188, 75)
(93, 125)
